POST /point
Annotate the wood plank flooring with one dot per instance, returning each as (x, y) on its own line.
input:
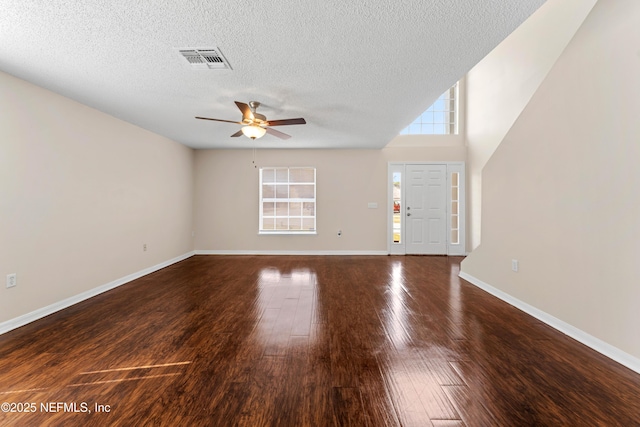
(306, 341)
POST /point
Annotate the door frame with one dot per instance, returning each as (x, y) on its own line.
(451, 167)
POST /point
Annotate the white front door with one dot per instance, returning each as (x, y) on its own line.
(425, 211)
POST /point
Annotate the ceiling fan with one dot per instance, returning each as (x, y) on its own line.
(255, 125)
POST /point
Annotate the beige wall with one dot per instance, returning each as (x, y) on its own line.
(500, 86)
(80, 193)
(560, 194)
(226, 214)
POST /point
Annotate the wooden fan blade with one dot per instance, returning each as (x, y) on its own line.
(285, 122)
(219, 120)
(246, 111)
(278, 134)
(239, 133)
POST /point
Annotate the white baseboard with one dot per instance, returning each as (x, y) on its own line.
(60, 305)
(249, 252)
(596, 344)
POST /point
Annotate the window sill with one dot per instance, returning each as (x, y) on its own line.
(292, 233)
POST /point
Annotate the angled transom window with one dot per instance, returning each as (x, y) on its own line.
(287, 201)
(439, 119)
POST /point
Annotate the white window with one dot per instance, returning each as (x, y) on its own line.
(454, 220)
(287, 201)
(439, 119)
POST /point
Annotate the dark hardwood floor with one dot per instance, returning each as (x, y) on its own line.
(306, 341)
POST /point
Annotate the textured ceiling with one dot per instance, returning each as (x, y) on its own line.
(358, 72)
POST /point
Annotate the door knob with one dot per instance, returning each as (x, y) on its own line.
(408, 213)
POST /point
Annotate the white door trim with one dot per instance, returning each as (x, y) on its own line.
(452, 167)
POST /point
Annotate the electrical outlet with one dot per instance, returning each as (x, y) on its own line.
(144, 247)
(515, 265)
(339, 233)
(12, 280)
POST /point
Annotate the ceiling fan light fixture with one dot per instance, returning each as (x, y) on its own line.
(253, 131)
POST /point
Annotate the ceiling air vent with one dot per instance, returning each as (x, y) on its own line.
(205, 59)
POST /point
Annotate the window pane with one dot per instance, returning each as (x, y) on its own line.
(268, 223)
(428, 117)
(268, 192)
(454, 221)
(397, 199)
(454, 179)
(282, 224)
(268, 175)
(301, 175)
(309, 209)
(397, 227)
(268, 208)
(454, 237)
(295, 209)
(295, 223)
(282, 191)
(282, 175)
(301, 191)
(454, 193)
(282, 208)
(308, 224)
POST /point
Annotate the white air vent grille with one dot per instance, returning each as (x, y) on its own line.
(205, 59)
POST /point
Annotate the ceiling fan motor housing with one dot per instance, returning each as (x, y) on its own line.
(257, 117)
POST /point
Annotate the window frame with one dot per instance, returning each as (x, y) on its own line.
(262, 200)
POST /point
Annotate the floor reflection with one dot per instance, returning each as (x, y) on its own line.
(286, 302)
(455, 315)
(396, 312)
(419, 371)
